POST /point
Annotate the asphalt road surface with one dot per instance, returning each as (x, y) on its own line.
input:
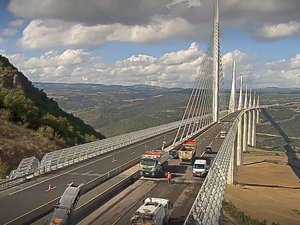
(26, 197)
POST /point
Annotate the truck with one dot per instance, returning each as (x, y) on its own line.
(200, 168)
(153, 163)
(154, 211)
(188, 151)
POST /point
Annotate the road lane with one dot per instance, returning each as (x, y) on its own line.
(27, 199)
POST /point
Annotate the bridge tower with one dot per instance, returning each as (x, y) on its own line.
(240, 128)
(232, 102)
(250, 119)
(254, 114)
(257, 105)
(245, 123)
(216, 65)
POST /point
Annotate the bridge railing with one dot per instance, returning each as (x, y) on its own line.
(29, 167)
(207, 207)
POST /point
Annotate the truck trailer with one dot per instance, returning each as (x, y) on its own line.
(187, 153)
(153, 163)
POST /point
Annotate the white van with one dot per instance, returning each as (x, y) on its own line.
(200, 167)
(223, 134)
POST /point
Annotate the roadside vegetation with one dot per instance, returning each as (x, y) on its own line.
(32, 124)
(240, 217)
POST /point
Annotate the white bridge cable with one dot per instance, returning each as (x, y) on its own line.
(206, 76)
(189, 116)
(183, 118)
(199, 102)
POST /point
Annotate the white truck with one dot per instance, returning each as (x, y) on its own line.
(200, 168)
(154, 211)
(153, 163)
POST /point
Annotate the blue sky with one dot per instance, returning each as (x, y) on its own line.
(157, 43)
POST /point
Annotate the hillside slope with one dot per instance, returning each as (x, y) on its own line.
(31, 123)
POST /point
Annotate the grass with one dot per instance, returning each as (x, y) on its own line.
(296, 211)
(18, 142)
(240, 217)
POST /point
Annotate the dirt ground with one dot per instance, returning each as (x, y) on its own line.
(268, 188)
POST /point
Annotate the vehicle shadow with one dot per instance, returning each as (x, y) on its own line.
(293, 159)
(176, 170)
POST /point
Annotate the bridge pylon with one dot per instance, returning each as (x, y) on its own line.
(249, 119)
(232, 102)
(240, 129)
(216, 66)
(245, 122)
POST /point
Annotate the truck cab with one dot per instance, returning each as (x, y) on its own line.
(200, 168)
(153, 163)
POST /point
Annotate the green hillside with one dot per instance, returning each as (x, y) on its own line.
(31, 123)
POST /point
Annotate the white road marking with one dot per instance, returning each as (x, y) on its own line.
(140, 143)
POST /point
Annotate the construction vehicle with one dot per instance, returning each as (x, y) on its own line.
(153, 163)
(154, 211)
(66, 205)
(187, 153)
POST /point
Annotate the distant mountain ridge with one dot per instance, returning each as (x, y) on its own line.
(144, 87)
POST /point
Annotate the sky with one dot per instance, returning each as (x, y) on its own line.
(152, 42)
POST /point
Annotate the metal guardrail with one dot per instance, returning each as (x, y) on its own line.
(31, 167)
(68, 156)
(206, 209)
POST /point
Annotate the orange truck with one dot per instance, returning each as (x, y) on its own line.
(187, 153)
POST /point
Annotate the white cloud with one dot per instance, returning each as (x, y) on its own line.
(53, 33)
(181, 56)
(1, 41)
(125, 20)
(77, 65)
(16, 23)
(9, 32)
(278, 31)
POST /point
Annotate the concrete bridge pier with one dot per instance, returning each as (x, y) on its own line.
(232, 170)
(245, 131)
(240, 142)
(253, 135)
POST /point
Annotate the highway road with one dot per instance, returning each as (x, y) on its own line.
(29, 196)
(181, 192)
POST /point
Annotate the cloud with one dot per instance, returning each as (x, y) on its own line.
(267, 20)
(16, 23)
(9, 32)
(1, 41)
(278, 31)
(53, 33)
(173, 69)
